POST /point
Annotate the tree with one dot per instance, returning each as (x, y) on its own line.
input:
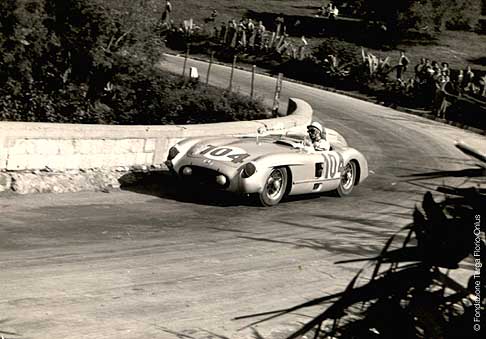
(52, 47)
(400, 16)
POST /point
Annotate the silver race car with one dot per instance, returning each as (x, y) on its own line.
(270, 166)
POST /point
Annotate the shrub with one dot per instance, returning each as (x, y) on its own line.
(90, 61)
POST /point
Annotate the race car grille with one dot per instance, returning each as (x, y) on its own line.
(206, 177)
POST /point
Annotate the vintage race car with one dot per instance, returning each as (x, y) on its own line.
(270, 166)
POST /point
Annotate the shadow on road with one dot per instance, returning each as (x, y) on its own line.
(8, 333)
(162, 184)
(464, 173)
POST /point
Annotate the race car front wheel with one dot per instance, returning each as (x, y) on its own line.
(274, 188)
(347, 179)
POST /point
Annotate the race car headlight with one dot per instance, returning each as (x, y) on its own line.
(187, 171)
(249, 170)
(172, 153)
(221, 180)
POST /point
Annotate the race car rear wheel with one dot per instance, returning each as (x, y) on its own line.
(348, 177)
(274, 188)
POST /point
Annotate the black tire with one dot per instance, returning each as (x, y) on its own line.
(275, 187)
(348, 177)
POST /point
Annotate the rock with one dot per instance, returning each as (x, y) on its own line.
(5, 182)
(27, 182)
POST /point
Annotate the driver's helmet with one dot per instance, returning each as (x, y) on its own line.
(316, 125)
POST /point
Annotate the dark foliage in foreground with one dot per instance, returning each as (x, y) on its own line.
(410, 293)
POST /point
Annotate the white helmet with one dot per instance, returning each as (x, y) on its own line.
(317, 125)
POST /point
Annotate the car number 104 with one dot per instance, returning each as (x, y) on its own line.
(333, 165)
(233, 154)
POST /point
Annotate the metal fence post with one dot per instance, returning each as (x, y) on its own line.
(209, 68)
(252, 80)
(185, 62)
(276, 97)
(232, 72)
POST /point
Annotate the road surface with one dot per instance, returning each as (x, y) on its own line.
(150, 262)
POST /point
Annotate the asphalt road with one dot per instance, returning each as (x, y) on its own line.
(151, 262)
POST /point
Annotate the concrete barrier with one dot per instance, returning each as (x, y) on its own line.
(67, 147)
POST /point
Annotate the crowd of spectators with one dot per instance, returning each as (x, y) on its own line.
(328, 11)
(431, 84)
(439, 85)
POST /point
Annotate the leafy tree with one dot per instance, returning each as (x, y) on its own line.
(400, 16)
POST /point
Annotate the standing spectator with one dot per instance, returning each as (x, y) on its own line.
(166, 13)
(302, 47)
(482, 84)
(445, 67)
(250, 26)
(212, 17)
(468, 79)
(443, 94)
(402, 65)
(332, 11)
(419, 69)
(223, 32)
(436, 69)
(260, 32)
(460, 82)
(231, 37)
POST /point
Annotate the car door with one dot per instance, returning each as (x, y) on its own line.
(320, 172)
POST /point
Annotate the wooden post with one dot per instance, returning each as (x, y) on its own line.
(232, 71)
(185, 62)
(276, 97)
(209, 68)
(252, 80)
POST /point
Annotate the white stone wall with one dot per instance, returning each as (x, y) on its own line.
(59, 147)
(62, 154)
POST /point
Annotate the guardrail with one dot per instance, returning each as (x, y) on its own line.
(59, 147)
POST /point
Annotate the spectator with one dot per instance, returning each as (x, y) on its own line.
(419, 69)
(260, 32)
(212, 17)
(166, 14)
(482, 86)
(223, 33)
(468, 80)
(332, 11)
(402, 65)
(460, 82)
(231, 38)
(445, 67)
(250, 26)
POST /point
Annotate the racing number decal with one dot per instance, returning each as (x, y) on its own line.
(232, 154)
(333, 165)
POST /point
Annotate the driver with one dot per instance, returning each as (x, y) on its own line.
(317, 135)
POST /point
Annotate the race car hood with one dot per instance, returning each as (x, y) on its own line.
(236, 151)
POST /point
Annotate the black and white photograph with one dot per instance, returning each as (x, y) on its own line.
(245, 169)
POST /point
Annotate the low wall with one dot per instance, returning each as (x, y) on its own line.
(39, 148)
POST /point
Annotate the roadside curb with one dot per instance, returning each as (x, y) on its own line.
(425, 114)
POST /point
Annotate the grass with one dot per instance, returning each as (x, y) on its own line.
(459, 49)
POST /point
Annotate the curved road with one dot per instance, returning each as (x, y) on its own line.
(152, 263)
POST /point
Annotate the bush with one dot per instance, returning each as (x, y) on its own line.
(90, 61)
(402, 16)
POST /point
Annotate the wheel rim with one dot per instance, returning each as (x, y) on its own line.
(274, 184)
(347, 177)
